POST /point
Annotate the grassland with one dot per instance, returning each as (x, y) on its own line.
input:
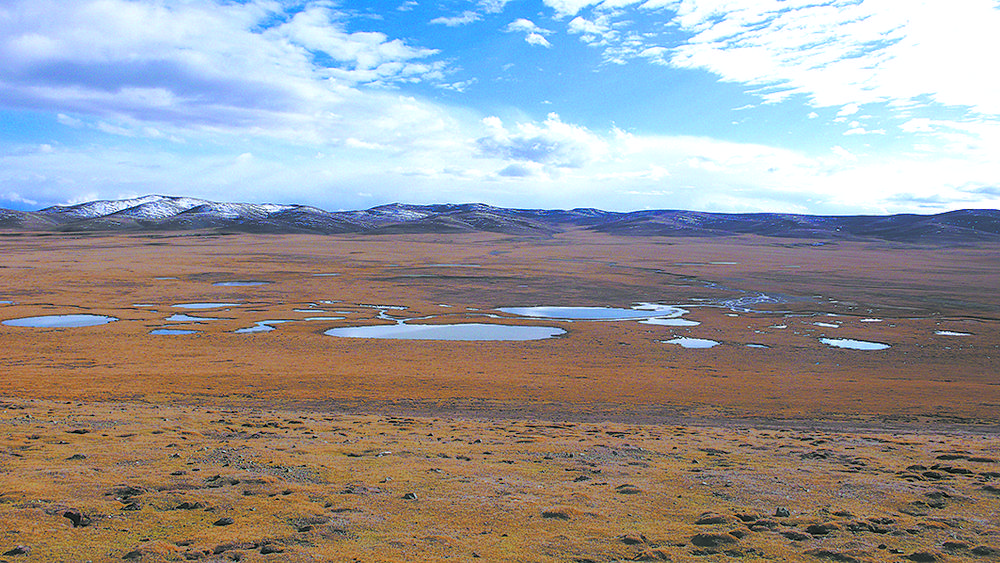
(604, 444)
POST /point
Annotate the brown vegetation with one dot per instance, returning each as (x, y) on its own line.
(604, 444)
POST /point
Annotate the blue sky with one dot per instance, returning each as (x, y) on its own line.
(803, 106)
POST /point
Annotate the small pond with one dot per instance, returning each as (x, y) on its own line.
(182, 318)
(240, 283)
(172, 332)
(205, 305)
(458, 332)
(853, 344)
(692, 342)
(261, 326)
(952, 333)
(60, 321)
(641, 311)
(658, 321)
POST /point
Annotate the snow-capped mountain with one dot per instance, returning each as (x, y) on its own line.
(169, 213)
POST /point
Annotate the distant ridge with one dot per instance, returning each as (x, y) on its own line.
(155, 213)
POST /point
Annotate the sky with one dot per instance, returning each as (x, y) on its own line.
(794, 106)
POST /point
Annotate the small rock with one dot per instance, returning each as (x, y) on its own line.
(271, 548)
(75, 457)
(133, 506)
(133, 555)
(19, 550)
(79, 431)
(410, 496)
(76, 517)
(190, 506)
(796, 535)
(223, 521)
(782, 512)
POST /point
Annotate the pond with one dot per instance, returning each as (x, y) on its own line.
(692, 342)
(60, 321)
(853, 344)
(182, 318)
(457, 332)
(260, 326)
(240, 283)
(640, 311)
(205, 305)
(172, 332)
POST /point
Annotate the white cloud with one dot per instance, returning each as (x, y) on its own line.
(845, 53)
(594, 32)
(464, 18)
(537, 39)
(522, 25)
(196, 63)
(534, 35)
(551, 142)
(849, 109)
(569, 7)
(69, 121)
(493, 6)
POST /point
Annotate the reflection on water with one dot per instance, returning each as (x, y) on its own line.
(205, 305)
(240, 283)
(692, 342)
(853, 344)
(458, 332)
(172, 331)
(182, 318)
(260, 326)
(641, 311)
(669, 322)
(60, 321)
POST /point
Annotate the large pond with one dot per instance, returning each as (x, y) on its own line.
(60, 321)
(460, 332)
(641, 311)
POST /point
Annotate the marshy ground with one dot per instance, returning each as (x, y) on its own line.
(604, 443)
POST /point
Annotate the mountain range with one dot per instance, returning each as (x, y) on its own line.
(157, 213)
